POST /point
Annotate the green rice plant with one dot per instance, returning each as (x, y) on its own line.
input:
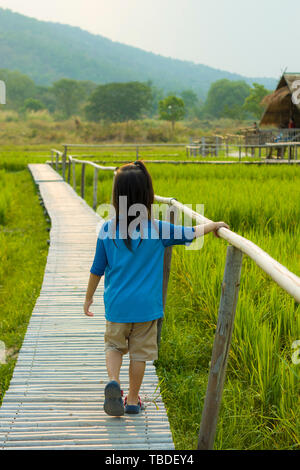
(23, 252)
(260, 401)
(260, 406)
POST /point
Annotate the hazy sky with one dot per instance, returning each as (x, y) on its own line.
(250, 37)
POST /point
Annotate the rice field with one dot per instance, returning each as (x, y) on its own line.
(260, 407)
(23, 253)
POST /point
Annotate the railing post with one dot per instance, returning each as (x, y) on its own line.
(95, 188)
(69, 170)
(52, 161)
(64, 158)
(228, 302)
(56, 161)
(203, 146)
(172, 218)
(74, 174)
(82, 185)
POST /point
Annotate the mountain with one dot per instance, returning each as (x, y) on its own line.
(47, 51)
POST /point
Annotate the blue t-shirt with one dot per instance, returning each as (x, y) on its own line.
(134, 279)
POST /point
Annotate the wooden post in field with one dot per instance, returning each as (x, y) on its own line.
(227, 307)
(137, 153)
(203, 146)
(171, 217)
(82, 185)
(69, 170)
(74, 174)
(227, 147)
(64, 158)
(95, 188)
(240, 153)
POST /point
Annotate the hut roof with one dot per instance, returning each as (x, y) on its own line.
(279, 105)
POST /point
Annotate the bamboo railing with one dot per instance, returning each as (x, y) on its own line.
(229, 292)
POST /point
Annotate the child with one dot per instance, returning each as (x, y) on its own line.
(132, 261)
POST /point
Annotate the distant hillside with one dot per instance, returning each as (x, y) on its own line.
(49, 51)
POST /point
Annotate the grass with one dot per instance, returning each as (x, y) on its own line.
(41, 128)
(260, 406)
(23, 251)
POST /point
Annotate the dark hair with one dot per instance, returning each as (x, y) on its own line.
(134, 181)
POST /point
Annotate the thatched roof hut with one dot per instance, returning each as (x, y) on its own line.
(279, 104)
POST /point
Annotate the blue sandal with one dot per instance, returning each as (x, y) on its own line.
(133, 409)
(113, 403)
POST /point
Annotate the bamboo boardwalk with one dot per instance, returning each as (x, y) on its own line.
(55, 398)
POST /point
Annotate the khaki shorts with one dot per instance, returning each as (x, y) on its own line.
(139, 339)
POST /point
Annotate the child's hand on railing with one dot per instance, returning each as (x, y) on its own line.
(219, 225)
(86, 307)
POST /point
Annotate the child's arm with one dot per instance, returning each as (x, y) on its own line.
(201, 230)
(92, 286)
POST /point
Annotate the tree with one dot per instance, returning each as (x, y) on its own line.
(171, 109)
(226, 99)
(119, 102)
(252, 103)
(191, 102)
(46, 96)
(157, 95)
(69, 95)
(32, 104)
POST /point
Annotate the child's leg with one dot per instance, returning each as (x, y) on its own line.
(136, 375)
(113, 364)
(142, 343)
(115, 346)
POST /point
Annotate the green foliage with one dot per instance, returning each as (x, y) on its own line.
(19, 87)
(171, 109)
(193, 105)
(69, 94)
(226, 99)
(253, 101)
(23, 252)
(260, 405)
(119, 102)
(157, 95)
(32, 104)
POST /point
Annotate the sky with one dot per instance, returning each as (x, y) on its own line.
(255, 38)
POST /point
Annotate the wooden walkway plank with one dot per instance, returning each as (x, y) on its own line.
(55, 398)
